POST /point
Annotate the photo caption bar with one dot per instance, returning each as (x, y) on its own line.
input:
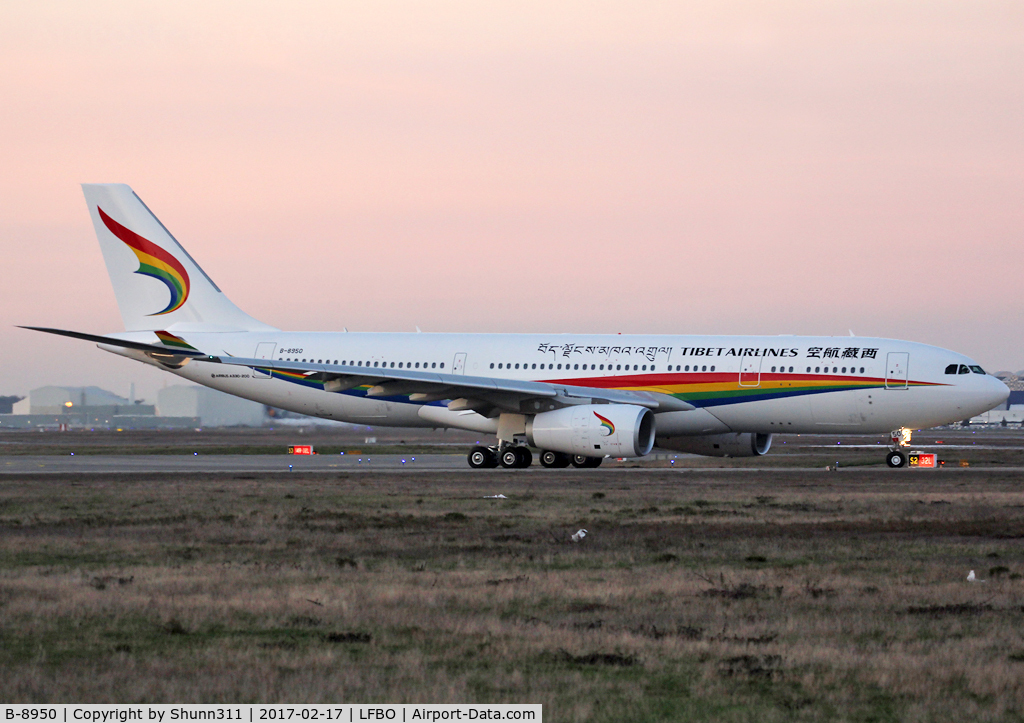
(248, 713)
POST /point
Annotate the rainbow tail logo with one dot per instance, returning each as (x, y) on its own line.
(606, 424)
(121, 219)
(153, 261)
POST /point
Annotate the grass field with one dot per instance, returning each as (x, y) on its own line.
(696, 595)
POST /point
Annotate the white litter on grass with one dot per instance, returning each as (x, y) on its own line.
(579, 535)
(495, 497)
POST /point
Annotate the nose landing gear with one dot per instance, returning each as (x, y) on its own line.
(900, 438)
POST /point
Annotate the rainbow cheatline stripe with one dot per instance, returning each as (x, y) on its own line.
(168, 339)
(606, 423)
(701, 389)
(153, 261)
(712, 389)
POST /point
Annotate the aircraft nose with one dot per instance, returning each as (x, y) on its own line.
(980, 394)
(996, 392)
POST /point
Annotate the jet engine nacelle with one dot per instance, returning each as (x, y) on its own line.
(732, 444)
(594, 430)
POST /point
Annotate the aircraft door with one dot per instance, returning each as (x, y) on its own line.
(897, 369)
(459, 363)
(264, 350)
(750, 371)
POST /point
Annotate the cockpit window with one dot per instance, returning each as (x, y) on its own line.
(964, 369)
(951, 369)
(976, 369)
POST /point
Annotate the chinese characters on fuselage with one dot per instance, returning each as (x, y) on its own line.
(850, 352)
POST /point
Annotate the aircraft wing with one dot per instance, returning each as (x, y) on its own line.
(488, 396)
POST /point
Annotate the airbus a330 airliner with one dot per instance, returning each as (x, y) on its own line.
(576, 398)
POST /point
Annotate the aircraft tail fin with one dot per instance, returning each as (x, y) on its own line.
(157, 284)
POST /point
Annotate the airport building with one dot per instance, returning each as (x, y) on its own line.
(86, 408)
(71, 400)
(94, 408)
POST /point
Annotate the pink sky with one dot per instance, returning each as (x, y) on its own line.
(746, 167)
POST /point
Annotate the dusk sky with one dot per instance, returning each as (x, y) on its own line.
(714, 167)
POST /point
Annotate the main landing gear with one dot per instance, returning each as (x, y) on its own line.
(509, 458)
(561, 459)
(900, 438)
(520, 457)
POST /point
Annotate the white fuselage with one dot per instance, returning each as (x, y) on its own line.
(776, 384)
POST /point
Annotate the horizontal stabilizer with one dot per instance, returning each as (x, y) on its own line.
(123, 343)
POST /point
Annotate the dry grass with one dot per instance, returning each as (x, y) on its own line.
(700, 594)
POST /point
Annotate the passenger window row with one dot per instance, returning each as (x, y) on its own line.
(835, 370)
(595, 367)
(356, 363)
(574, 367)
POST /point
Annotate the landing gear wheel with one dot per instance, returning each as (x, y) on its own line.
(578, 460)
(554, 459)
(516, 458)
(482, 458)
(509, 458)
(895, 459)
